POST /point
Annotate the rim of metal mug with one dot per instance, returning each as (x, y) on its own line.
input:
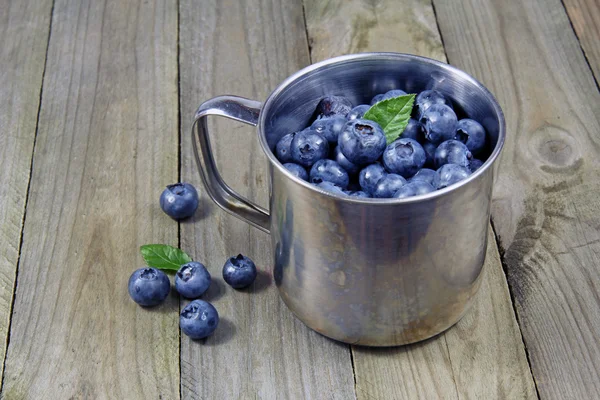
(382, 55)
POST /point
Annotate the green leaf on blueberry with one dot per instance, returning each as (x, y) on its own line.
(392, 115)
(163, 256)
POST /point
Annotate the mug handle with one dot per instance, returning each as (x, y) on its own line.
(239, 109)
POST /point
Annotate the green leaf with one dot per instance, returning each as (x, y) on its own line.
(163, 256)
(392, 115)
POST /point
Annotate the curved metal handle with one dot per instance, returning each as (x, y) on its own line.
(239, 109)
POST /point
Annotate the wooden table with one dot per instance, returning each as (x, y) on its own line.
(96, 104)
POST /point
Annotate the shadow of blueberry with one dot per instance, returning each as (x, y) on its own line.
(215, 291)
(223, 334)
(262, 282)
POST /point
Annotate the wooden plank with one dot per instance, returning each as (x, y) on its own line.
(546, 204)
(342, 27)
(585, 17)
(25, 26)
(260, 350)
(483, 355)
(107, 145)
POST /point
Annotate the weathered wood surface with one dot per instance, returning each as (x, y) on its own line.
(25, 26)
(546, 204)
(260, 350)
(107, 142)
(483, 355)
(585, 17)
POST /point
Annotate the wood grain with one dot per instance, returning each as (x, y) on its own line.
(25, 27)
(338, 27)
(107, 144)
(585, 17)
(483, 355)
(259, 350)
(546, 205)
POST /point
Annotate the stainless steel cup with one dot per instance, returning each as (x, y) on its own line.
(374, 272)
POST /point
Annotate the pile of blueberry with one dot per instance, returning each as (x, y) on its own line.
(344, 153)
(150, 286)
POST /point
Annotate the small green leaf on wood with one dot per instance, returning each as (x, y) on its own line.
(392, 115)
(163, 256)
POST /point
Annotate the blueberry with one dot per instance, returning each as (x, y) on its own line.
(283, 150)
(377, 98)
(358, 112)
(149, 286)
(362, 141)
(179, 201)
(308, 147)
(330, 127)
(297, 170)
(357, 193)
(334, 105)
(472, 134)
(427, 98)
(192, 280)
(239, 271)
(369, 176)
(474, 164)
(404, 157)
(413, 130)
(329, 171)
(387, 95)
(439, 123)
(452, 152)
(430, 149)
(330, 187)
(198, 319)
(426, 175)
(388, 186)
(341, 159)
(449, 174)
(414, 188)
(393, 93)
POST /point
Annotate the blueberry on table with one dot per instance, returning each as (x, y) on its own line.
(334, 105)
(179, 200)
(341, 159)
(329, 171)
(452, 152)
(192, 280)
(388, 186)
(369, 176)
(414, 188)
(472, 134)
(357, 112)
(439, 123)
(283, 149)
(450, 174)
(377, 98)
(474, 164)
(239, 271)
(427, 98)
(308, 147)
(404, 157)
(430, 149)
(330, 187)
(413, 130)
(330, 127)
(198, 319)
(149, 286)
(362, 141)
(426, 175)
(297, 170)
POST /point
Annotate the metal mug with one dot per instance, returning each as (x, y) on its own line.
(375, 272)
